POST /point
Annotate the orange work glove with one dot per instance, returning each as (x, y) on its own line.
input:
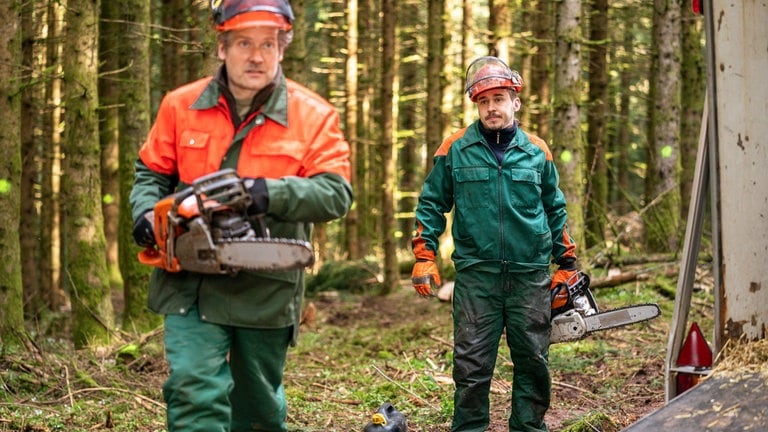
(560, 294)
(425, 278)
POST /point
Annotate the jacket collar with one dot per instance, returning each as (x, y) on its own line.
(216, 91)
(473, 136)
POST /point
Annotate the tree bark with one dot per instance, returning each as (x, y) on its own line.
(50, 216)
(662, 220)
(538, 104)
(31, 153)
(567, 145)
(596, 195)
(85, 269)
(12, 311)
(389, 161)
(500, 28)
(434, 126)
(352, 220)
(110, 40)
(693, 84)
(134, 124)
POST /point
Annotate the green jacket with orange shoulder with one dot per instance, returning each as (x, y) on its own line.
(508, 217)
(293, 141)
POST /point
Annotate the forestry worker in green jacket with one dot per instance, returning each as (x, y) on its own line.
(226, 336)
(509, 222)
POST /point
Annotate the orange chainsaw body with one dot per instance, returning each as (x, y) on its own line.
(158, 255)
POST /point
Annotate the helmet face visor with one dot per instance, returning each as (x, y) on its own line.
(239, 14)
(488, 73)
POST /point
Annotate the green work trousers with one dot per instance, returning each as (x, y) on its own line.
(206, 392)
(484, 305)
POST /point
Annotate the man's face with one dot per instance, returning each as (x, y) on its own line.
(497, 107)
(252, 57)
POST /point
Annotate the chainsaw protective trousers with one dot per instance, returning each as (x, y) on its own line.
(484, 305)
(205, 392)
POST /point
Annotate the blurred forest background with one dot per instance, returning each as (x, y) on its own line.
(616, 89)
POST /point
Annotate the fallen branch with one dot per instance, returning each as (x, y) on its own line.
(626, 277)
(139, 397)
(568, 386)
(334, 400)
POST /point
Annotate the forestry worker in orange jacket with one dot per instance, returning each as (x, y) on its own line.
(286, 142)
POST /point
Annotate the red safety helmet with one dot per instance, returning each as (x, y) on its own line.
(239, 14)
(489, 72)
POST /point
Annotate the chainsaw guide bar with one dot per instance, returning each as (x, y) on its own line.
(572, 326)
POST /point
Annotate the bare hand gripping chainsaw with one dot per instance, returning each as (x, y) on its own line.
(206, 229)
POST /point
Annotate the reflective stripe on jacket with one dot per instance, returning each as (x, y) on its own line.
(507, 217)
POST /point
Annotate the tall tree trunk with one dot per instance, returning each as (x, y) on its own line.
(567, 145)
(597, 182)
(31, 154)
(296, 56)
(85, 270)
(411, 118)
(389, 68)
(173, 74)
(50, 227)
(134, 116)
(467, 42)
(500, 28)
(538, 103)
(368, 166)
(523, 24)
(352, 220)
(109, 45)
(662, 218)
(11, 291)
(619, 142)
(693, 84)
(435, 57)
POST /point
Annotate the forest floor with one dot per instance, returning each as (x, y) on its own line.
(358, 351)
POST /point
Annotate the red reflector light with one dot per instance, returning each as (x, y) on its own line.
(696, 6)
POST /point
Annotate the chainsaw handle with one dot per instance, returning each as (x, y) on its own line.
(151, 255)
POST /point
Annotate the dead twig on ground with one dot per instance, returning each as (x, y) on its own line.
(403, 387)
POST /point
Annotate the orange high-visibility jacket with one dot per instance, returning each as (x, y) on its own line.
(194, 130)
(294, 141)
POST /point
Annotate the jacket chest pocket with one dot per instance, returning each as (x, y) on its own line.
(193, 155)
(272, 158)
(525, 188)
(473, 187)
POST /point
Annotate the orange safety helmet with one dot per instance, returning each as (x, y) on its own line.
(239, 14)
(489, 72)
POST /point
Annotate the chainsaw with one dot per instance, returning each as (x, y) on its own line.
(575, 313)
(205, 229)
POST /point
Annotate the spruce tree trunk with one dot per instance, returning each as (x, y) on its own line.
(538, 102)
(597, 182)
(662, 219)
(50, 217)
(389, 66)
(435, 54)
(567, 145)
(692, 102)
(500, 28)
(85, 266)
(352, 220)
(134, 123)
(11, 312)
(109, 46)
(31, 152)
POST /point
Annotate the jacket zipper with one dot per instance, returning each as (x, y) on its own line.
(499, 179)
